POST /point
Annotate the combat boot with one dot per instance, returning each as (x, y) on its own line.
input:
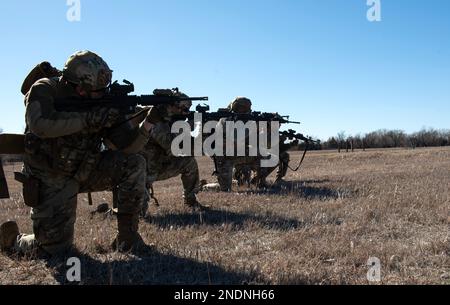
(8, 235)
(192, 202)
(128, 238)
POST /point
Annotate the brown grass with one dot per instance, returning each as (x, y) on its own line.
(321, 228)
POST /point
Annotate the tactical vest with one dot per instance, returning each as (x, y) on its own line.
(73, 156)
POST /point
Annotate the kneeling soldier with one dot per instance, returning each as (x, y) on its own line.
(65, 156)
(161, 163)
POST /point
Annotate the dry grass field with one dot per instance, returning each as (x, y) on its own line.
(320, 228)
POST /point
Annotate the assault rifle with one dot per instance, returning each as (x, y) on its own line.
(227, 114)
(118, 96)
(293, 135)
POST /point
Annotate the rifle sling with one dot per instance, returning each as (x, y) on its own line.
(301, 161)
(131, 118)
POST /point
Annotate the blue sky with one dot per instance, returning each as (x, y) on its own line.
(320, 61)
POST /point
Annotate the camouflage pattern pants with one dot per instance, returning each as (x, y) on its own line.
(264, 172)
(243, 172)
(54, 218)
(224, 169)
(187, 167)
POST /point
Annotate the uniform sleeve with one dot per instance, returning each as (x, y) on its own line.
(129, 137)
(42, 118)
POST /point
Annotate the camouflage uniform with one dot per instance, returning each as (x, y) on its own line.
(64, 154)
(284, 157)
(224, 169)
(225, 164)
(261, 173)
(242, 174)
(162, 164)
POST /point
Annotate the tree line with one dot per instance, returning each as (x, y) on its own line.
(427, 137)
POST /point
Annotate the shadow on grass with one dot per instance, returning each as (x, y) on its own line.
(213, 217)
(301, 189)
(310, 181)
(148, 267)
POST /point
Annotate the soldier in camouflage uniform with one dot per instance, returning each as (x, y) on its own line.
(225, 164)
(64, 157)
(257, 175)
(245, 166)
(242, 174)
(263, 172)
(161, 163)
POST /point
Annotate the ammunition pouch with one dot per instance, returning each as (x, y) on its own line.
(72, 156)
(31, 189)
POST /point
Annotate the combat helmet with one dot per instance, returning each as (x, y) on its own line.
(241, 105)
(87, 69)
(184, 105)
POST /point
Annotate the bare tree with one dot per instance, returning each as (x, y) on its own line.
(340, 139)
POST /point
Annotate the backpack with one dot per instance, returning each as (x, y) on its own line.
(42, 70)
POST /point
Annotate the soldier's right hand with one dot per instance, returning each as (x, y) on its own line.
(101, 118)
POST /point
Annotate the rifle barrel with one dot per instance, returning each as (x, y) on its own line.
(126, 102)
